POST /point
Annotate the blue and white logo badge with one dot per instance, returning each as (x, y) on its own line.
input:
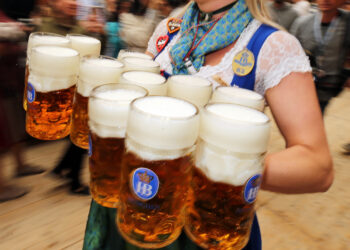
(145, 183)
(90, 146)
(30, 93)
(251, 188)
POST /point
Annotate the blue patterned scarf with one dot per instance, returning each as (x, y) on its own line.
(224, 33)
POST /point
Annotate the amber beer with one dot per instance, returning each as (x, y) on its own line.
(140, 64)
(227, 175)
(51, 83)
(156, 170)
(194, 89)
(40, 39)
(154, 83)
(85, 45)
(239, 96)
(108, 111)
(94, 71)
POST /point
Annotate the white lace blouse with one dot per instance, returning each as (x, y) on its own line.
(280, 55)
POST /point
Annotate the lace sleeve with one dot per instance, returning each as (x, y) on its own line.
(280, 55)
(161, 30)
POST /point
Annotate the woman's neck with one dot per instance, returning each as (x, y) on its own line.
(210, 5)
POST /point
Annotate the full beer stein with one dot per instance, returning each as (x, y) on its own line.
(108, 112)
(194, 89)
(227, 175)
(126, 53)
(52, 77)
(94, 71)
(154, 83)
(85, 45)
(156, 170)
(140, 64)
(238, 96)
(40, 39)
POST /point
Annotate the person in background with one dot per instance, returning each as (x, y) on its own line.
(324, 36)
(302, 7)
(92, 16)
(12, 133)
(63, 21)
(138, 25)
(282, 13)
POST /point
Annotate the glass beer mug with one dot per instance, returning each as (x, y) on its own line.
(227, 175)
(85, 45)
(94, 71)
(40, 39)
(238, 96)
(52, 77)
(108, 112)
(194, 89)
(156, 170)
(154, 83)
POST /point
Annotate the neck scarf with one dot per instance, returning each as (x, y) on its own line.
(224, 33)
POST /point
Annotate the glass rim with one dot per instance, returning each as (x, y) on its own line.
(190, 76)
(157, 65)
(115, 86)
(261, 97)
(147, 72)
(36, 49)
(206, 110)
(85, 59)
(81, 35)
(133, 107)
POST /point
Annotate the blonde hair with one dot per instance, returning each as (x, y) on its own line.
(260, 12)
(256, 7)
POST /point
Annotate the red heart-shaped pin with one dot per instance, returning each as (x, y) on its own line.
(162, 42)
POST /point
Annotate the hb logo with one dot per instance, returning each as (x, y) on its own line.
(145, 183)
(251, 188)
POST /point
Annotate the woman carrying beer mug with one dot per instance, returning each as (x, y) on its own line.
(234, 43)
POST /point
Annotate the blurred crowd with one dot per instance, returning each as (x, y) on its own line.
(128, 24)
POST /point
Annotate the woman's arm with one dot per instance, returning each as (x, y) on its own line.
(305, 165)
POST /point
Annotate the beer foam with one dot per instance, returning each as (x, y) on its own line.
(238, 96)
(48, 39)
(235, 128)
(53, 68)
(196, 90)
(140, 64)
(154, 83)
(86, 45)
(230, 168)
(109, 107)
(163, 123)
(123, 54)
(95, 71)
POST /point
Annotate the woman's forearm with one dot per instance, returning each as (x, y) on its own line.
(298, 169)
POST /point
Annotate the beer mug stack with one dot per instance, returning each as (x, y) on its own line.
(156, 170)
(153, 82)
(227, 175)
(40, 39)
(194, 89)
(94, 71)
(108, 112)
(52, 77)
(240, 96)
